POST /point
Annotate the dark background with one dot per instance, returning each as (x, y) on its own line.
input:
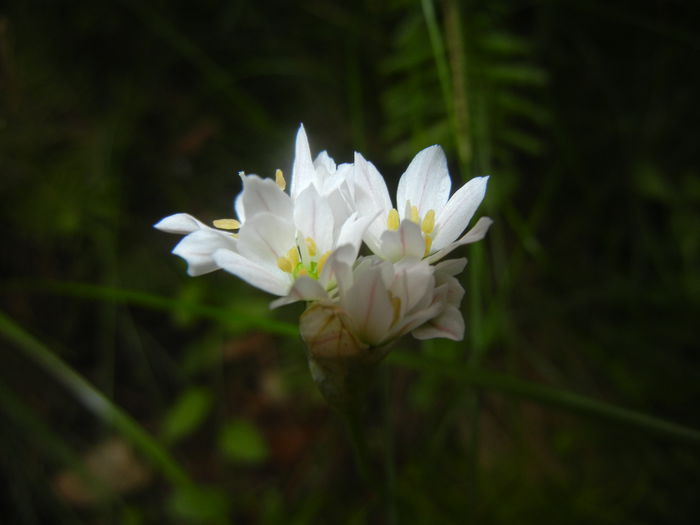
(585, 114)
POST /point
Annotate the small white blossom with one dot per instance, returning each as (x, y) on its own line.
(426, 221)
(281, 236)
(379, 301)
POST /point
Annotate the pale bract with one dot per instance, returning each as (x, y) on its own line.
(426, 222)
(280, 236)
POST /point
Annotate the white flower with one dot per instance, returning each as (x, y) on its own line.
(199, 244)
(426, 221)
(281, 236)
(378, 301)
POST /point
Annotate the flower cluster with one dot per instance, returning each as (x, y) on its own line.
(304, 245)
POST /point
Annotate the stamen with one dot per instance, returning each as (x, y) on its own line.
(428, 222)
(279, 180)
(392, 221)
(428, 244)
(227, 224)
(414, 214)
(284, 264)
(322, 262)
(311, 245)
(396, 304)
(293, 257)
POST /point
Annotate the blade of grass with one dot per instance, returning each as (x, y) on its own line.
(96, 402)
(441, 65)
(237, 319)
(48, 441)
(549, 396)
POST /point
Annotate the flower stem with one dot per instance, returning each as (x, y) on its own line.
(389, 461)
(359, 445)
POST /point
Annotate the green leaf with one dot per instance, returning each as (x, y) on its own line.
(199, 505)
(548, 396)
(240, 441)
(186, 414)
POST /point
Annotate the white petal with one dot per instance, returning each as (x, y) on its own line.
(426, 182)
(264, 238)
(180, 223)
(368, 305)
(238, 207)
(474, 235)
(198, 247)
(454, 217)
(352, 232)
(451, 266)
(407, 241)
(325, 162)
(268, 279)
(338, 267)
(412, 282)
(416, 319)
(367, 179)
(263, 195)
(303, 171)
(449, 325)
(303, 289)
(370, 195)
(313, 218)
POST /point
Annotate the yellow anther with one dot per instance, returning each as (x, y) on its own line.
(279, 180)
(227, 224)
(293, 256)
(428, 224)
(414, 214)
(311, 245)
(392, 221)
(322, 261)
(396, 304)
(428, 244)
(284, 264)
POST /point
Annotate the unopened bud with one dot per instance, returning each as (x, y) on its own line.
(339, 362)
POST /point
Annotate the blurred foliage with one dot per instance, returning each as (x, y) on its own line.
(113, 115)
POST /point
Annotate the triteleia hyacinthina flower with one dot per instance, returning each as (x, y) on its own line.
(426, 222)
(280, 237)
(303, 245)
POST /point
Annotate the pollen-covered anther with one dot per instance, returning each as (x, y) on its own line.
(311, 246)
(279, 180)
(289, 263)
(293, 255)
(226, 224)
(414, 214)
(396, 306)
(322, 261)
(392, 221)
(428, 224)
(284, 264)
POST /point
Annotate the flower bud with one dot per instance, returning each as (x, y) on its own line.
(340, 363)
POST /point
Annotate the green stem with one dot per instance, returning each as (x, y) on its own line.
(95, 401)
(359, 445)
(549, 396)
(389, 461)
